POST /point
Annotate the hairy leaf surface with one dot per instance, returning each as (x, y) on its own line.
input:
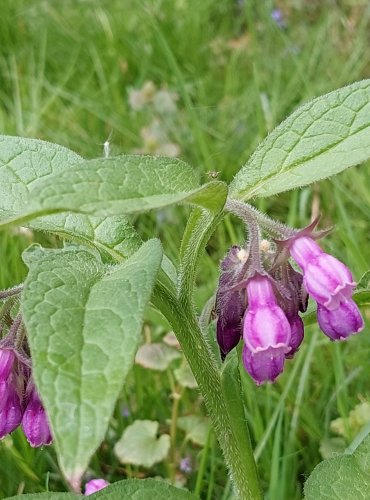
(84, 322)
(320, 139)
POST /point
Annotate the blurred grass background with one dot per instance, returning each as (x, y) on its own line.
(206, 81)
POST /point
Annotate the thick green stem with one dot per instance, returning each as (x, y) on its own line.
(238, 457)
(237, 452)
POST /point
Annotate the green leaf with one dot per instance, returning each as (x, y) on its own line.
(113, 236)
(48, 495)
(23, 162)
(195, 427)
(185, 377)
(346, 477)
(362, 293)
(139, 444)
(114, 186)
(142, 489)
(156, 356)
(318, 140)
(84, 322)
(133, 489)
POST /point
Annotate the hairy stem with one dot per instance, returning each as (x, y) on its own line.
(251, 215)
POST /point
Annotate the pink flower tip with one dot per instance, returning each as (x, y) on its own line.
(95, 485)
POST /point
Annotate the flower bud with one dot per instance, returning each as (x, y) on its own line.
(95, 485)
(11, 411)
(35, 423)
(265, 324)
(7, 358)
(326, 279)
(264, 365)
(342, 322)
(230, 305)
(297, 329)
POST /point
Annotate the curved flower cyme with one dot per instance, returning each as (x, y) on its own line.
(265, 324)
(326, 279)
(263, 366)
(95, 485)
(35, 423)
(7, 358)
(341, 323)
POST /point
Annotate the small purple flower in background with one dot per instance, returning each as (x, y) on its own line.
(125, 412)
(278, 18)
(185, 465)
(95, 485)
(35, 423)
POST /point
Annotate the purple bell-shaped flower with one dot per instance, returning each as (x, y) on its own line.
(340, 323)
(10, 409)
(35, 423)
(326, 279)
(266, 332)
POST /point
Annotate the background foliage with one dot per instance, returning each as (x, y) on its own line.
(205, 81)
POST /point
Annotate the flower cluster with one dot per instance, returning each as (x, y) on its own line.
(260, 298)
(19, 401)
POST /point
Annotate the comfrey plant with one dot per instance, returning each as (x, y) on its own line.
(260, 294)
(71, 331)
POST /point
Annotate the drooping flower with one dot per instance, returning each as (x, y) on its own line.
(11, 409)
(230, 304)
(325, 278)
(266, 332)
(340, 323)
(35, 422)
(95, 485)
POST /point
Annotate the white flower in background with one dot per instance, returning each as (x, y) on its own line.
(139, 98)
(165, 101)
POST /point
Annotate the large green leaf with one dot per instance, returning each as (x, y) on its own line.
(346, 477)
(24, 162)
(143, 489)
(84, 322)
(114, 186)
(133, 489)
(320, 139)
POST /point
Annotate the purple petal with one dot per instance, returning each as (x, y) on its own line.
(95, 485)
(35, 423)
(264, 366)
(266, 327)
(228, 335)
(7, 358)
(260, 292)
(342, 322)
(11, 413)
(297, 329)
